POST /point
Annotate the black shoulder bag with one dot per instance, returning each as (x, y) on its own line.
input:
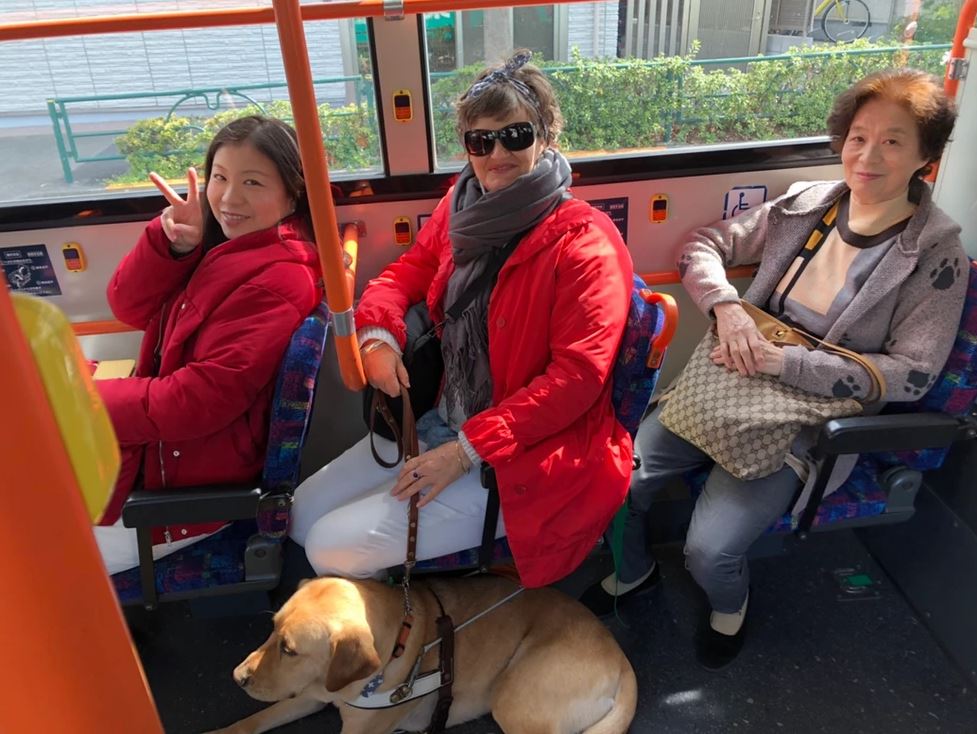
(422, 355)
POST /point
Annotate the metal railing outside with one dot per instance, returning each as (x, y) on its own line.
(212, 99)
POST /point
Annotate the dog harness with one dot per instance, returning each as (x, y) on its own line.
(418, 684)
(439, 680)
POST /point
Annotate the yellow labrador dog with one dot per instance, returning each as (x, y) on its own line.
(541, 663)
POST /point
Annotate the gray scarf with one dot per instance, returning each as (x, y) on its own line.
(481, 225)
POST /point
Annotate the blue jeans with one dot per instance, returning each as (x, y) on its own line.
(729, 515)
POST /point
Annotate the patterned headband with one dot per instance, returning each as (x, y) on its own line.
(503, 75)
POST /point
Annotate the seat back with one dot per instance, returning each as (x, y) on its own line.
(954, 391)
(291, 410)
(864, 498)
(216, 561)
(652, 320)
(291, 406)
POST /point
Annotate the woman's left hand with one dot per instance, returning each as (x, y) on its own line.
(432, 471)
(770, 361)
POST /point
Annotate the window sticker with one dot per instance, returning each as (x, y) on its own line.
(743, 198)
(29, 270)
(617, 210)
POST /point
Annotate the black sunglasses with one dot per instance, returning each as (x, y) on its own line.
(517, 136)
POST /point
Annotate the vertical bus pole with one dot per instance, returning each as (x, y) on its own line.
(69, 665)
(295, 55)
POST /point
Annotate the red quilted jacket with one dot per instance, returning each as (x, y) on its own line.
(217, 325)
(556, 318)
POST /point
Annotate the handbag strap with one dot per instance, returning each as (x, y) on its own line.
(380, 407)
(810, 249)
(878, 379)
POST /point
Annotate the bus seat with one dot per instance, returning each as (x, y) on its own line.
(246, 555)
(897, 447)
(651, 324)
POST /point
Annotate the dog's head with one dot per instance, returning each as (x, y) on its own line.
(321, 638)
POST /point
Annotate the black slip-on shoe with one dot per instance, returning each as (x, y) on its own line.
(714, 650)
(602, 604)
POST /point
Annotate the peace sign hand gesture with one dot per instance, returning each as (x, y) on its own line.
(182, 220)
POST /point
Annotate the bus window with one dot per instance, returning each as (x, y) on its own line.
(649, 75)
(90, 116)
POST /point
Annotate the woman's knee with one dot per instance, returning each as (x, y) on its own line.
(708, 561)
(303, 516)
(335, 548)
(663, 456)
(332, 559)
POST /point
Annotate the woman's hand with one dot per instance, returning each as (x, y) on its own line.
(769, 361)
(433, 470)
(384, 368)
(740, 342)
(182, 220)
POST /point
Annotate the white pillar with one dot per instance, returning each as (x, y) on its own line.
(956, 183)
(498, 35)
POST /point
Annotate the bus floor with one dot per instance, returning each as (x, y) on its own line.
(812, 662)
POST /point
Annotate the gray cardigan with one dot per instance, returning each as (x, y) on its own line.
(904, 318)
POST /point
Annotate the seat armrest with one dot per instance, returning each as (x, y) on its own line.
(211, 503)
(897, 432)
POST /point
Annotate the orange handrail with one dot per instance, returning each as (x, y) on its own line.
(233, 16)
(965, 21)
(672, 277)
(61, 630)
(295, 55)
(92, 328)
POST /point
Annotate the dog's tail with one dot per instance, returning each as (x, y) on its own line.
(618, 719)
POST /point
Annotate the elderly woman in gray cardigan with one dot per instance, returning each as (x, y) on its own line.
(888, 281)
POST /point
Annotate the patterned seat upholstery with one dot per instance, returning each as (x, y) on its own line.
(219, 559)
(648, 329)
(954, 393)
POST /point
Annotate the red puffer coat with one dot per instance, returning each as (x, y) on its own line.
(217, 325)
(556, 317)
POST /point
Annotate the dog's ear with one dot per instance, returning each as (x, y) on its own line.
(353, 657)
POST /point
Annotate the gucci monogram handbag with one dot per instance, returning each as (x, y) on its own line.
(747, 424)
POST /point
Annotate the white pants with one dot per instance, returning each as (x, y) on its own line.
(350, 525)
(119, 549)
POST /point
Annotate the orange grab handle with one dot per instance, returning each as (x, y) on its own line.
(351, 246)
(656, 354)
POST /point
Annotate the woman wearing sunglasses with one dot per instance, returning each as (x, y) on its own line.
(527, 362)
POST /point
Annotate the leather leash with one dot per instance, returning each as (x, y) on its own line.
(408, 447)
